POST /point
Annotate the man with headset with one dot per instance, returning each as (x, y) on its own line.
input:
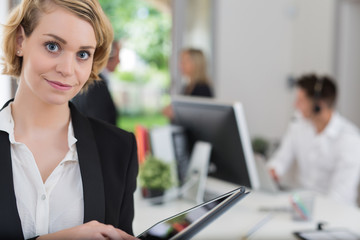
(324, 145)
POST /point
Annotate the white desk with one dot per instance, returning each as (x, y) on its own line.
(240, 219)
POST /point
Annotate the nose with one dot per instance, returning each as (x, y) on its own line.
(66, 65)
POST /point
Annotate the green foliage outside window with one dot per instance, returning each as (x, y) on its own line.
(146, 30)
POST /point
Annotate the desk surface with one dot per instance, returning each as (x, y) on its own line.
(241, 219)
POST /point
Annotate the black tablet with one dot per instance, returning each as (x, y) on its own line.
(188, 223)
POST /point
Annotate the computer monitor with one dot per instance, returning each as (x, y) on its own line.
(223, 125)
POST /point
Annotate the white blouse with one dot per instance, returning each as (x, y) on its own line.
(45, 207)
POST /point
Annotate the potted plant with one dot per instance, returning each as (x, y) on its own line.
(155, 177)
(260, 146)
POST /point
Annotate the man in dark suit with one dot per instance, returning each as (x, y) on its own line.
(96, 102)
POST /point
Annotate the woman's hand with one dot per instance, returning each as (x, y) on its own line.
(168, 112)
(90, 230)
(274, 175)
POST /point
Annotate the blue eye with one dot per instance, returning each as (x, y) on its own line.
(83, 55)
(52, 47)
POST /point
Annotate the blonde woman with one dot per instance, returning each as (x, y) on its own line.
(193, 68)
(63, 175)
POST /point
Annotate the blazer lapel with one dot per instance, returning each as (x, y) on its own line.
(90, 168)
(10, 224)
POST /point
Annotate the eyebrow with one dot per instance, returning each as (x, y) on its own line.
(63, 41)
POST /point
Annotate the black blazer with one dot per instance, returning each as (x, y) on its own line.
(97, 102)
(108, 166)
(202, 90)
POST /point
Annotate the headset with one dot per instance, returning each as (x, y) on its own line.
(317, 95)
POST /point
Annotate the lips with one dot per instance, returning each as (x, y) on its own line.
(59, 85)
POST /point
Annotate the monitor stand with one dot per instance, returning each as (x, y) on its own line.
(195, 183)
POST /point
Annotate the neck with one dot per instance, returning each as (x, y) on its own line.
(33, 114)
(322, 119)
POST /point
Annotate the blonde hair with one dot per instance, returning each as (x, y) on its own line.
(199, 75)
(28, 13)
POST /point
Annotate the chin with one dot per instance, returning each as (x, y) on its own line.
(56, 100)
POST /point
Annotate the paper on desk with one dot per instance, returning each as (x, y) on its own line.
(329, 235)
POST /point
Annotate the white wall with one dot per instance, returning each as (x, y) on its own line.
(5, 86)
(197, 25)
(259, 44)
(314, 36)
(348, 65)
(253, 48)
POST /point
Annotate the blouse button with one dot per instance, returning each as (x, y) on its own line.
(43, 197)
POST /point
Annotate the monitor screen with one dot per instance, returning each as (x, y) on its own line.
(223, 125)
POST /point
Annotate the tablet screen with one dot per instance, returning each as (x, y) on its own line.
(174, 225)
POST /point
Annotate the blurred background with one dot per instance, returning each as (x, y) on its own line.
(254, 50)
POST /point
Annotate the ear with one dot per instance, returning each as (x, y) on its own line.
(323, 104)
(20, 36)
